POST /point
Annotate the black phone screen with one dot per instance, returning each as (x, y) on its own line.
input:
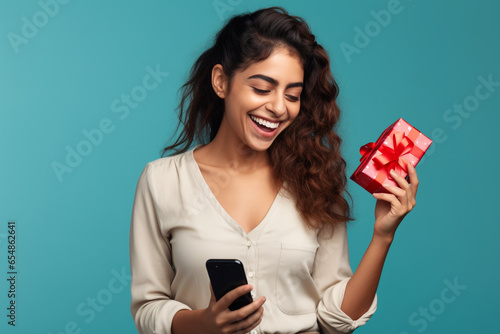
(226, 275)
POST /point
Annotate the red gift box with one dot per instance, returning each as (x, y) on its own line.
(398, 145)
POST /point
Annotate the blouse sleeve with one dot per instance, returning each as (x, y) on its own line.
(331, 273)
(152, 305)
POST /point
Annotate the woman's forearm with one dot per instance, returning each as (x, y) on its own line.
(362, 286)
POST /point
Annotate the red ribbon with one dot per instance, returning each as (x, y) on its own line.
(391, 157)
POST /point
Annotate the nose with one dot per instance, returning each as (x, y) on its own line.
(277, 105)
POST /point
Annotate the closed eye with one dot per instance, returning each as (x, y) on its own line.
(293, 98)
(260, 91)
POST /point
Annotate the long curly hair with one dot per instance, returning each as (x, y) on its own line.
(306, 156)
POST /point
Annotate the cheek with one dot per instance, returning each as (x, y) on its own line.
(244, 102)
(294, 112)
(253, 101)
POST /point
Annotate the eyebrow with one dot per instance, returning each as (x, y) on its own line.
(274, 81)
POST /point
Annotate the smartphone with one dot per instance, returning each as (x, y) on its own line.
(226, 275)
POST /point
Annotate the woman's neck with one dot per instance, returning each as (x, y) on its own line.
(232, 154)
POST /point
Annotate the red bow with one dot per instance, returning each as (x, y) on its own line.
(391, 156)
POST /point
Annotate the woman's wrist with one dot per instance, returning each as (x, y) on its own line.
(383, 240)
(187, 321)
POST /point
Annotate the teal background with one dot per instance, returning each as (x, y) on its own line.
(73, 233)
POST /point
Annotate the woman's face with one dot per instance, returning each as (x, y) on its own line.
(264, 99)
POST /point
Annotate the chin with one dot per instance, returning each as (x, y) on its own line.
(259, 145)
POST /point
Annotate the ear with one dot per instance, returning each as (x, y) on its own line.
(219, 81)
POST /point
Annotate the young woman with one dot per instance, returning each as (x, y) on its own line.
(265, 185)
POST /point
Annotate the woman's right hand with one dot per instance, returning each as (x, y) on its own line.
(220, 319)
(217, 318)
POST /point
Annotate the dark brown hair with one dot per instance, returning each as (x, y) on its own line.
(305, 156)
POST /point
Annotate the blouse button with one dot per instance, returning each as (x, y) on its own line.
(249, 243)
(253, 294)
(250, 274)
(253, 331)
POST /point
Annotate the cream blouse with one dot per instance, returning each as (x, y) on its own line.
(177, 225)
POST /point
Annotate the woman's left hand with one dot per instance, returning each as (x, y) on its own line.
(392, 208)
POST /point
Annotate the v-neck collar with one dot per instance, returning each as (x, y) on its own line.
(196, 173)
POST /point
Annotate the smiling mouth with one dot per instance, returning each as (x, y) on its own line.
(263, 124)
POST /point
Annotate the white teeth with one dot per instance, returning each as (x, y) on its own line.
(265, 123)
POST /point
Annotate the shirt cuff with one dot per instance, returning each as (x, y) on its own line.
(159, 319)
(330, 316)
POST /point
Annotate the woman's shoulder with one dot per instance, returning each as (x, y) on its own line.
(170, 165)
